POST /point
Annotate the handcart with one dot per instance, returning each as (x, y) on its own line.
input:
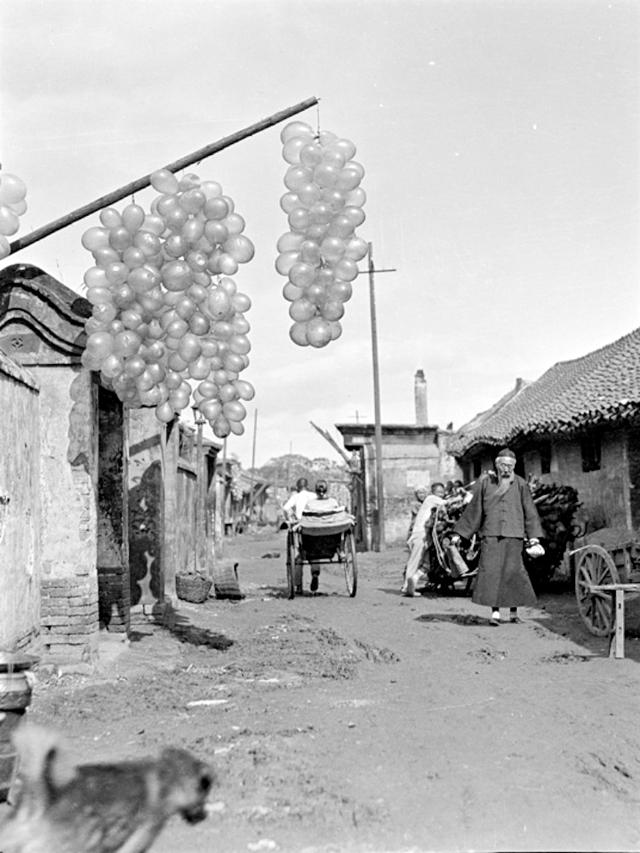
(607, 567)
(445, 564)
(323, 539)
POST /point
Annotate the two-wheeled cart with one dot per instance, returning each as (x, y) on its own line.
(321, 542)
(607, 569)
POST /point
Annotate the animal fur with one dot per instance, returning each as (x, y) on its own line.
(98, 808)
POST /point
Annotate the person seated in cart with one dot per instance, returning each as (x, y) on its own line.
(321, 502)
(319, 505)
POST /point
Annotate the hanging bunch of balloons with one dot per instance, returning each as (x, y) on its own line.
(320, 252)
(12, 205)
(168, 326)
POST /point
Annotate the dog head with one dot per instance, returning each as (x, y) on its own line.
(186, 783)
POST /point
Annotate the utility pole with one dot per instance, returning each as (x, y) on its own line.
(379, 538)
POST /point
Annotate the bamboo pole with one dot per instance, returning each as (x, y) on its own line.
(145, 181)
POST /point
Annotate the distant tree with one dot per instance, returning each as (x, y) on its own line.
(285, 470)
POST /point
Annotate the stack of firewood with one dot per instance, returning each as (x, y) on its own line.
(556, 507)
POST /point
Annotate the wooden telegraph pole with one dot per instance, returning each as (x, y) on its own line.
(378, 530)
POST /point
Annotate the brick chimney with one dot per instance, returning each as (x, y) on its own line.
(420, 392)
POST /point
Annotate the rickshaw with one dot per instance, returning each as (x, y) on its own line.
(323, 539)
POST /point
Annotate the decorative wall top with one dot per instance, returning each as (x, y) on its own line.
(41, 320)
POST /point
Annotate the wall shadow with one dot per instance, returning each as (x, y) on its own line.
(145, 535)
(185, 631)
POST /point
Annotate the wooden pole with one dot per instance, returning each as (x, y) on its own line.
(379, 538)
(145, 181)
(200, 511)
(224, 488)
(253, 463)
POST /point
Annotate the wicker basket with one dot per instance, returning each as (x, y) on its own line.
(192, 587)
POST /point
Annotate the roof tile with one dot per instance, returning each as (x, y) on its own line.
(600, 387)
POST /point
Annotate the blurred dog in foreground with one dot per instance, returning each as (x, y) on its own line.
(98, 808)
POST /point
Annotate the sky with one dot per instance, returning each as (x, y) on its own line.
(500, 141)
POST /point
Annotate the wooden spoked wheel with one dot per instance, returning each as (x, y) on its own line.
(594, 566)
(291, 562)
(350, 565)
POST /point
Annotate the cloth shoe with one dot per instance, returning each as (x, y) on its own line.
(409, 588)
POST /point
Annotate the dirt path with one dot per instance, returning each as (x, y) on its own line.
(378, 723)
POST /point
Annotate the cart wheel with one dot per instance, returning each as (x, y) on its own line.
(594, 566)
(350, 566)
(291, 561)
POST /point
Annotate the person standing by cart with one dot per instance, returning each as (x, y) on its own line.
(417, 539)
(502, 511)
(420, 494)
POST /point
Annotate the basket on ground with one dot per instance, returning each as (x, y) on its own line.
(192, 587)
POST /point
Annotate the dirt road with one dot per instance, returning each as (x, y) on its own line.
(378, 723)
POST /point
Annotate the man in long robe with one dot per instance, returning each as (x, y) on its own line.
(503, 513)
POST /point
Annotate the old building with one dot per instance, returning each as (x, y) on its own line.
(100, 505)
(80, 479)
(577, 425)
(412, 455)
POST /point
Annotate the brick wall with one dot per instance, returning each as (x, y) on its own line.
(69, 618)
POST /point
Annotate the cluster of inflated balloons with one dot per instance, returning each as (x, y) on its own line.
(168, 326)
(12, 205)
(320, 252)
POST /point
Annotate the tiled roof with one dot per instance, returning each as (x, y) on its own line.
(598, 388)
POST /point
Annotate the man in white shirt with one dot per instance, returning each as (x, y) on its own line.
(297, 502)
(293, 510)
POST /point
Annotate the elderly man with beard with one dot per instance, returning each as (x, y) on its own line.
(502, 511)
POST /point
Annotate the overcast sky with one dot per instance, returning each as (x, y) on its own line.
(500, 142)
